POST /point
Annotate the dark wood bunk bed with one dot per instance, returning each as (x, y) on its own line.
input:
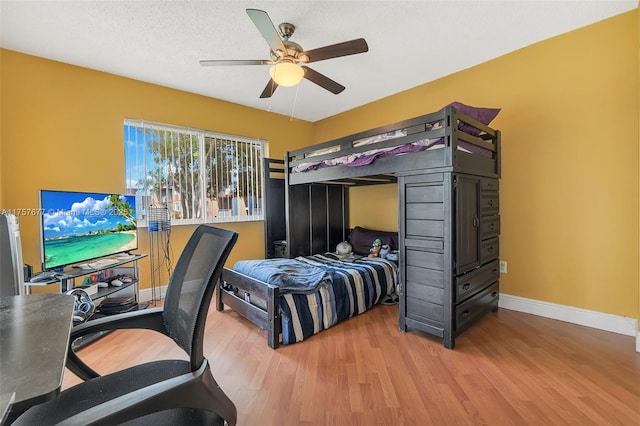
(449, 228)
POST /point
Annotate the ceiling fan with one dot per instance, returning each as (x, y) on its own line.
(286, 56)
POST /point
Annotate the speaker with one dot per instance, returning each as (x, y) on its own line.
(11, 266)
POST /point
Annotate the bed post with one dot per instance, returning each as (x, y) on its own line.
(450, 138)
(498, 154)
(274, 206)
(273, 322)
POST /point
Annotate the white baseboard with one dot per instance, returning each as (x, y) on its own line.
(608, 322)
(146, 294)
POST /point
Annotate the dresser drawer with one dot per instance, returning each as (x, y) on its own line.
(489, 203)
(470, 283)
(490, 227)
(489, 250)
(477, 306)
(490, 184)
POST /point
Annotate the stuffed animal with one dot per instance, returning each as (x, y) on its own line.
(344, 248)
(375, 249)
(384, 251)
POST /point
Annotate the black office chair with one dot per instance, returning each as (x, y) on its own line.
(161, 392)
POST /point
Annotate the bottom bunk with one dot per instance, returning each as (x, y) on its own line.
(293, 299)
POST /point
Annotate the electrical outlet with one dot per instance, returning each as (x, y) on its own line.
(503, 266)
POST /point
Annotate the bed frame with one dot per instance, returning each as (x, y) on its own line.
(316, 204)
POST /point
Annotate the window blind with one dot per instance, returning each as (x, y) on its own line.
(200, 176)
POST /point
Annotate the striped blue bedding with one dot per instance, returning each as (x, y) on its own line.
(355, 287)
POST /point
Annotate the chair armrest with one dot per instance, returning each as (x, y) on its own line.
(149, 319)
(137, 403)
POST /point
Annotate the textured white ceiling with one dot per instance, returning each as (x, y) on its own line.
(410, 42)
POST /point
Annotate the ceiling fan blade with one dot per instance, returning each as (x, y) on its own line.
(269, 89)
(264, 24)
(322, 80)
(215, 62)
(336, 50)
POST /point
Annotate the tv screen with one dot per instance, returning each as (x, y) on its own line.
(80, 226)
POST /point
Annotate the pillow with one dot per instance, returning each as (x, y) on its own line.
(483, 115)
(361, 239)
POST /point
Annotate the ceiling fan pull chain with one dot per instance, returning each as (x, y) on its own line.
(295, 98)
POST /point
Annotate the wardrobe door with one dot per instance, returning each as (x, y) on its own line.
(338, 215)
(317, 218)
(298, 220)
(467, 217)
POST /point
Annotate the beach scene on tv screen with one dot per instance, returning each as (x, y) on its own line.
(83, 226)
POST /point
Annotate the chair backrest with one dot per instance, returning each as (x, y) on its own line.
(192, 285)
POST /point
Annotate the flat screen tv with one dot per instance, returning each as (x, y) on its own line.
(77, 227)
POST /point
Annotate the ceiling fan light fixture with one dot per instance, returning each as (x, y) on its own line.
(286, 74)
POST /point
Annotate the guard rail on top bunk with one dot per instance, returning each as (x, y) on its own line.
(460, 151)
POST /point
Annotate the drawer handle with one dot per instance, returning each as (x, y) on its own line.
(466, 313)
(466, 286)
(495, 272)
(492, 227)
(490, 249)
(490, 203)
(494, 294)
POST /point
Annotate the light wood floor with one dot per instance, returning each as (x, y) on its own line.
(509, 369)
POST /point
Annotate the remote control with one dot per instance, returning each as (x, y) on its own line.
(43, 276)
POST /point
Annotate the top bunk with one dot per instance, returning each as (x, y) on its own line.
(445, 140)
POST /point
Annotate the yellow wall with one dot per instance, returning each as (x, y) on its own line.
(570, 124)
(569, 189)
(62, 128)
(374, 207)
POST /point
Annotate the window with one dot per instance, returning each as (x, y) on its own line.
(200, 176)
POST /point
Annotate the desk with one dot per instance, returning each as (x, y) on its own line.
(34, 337)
